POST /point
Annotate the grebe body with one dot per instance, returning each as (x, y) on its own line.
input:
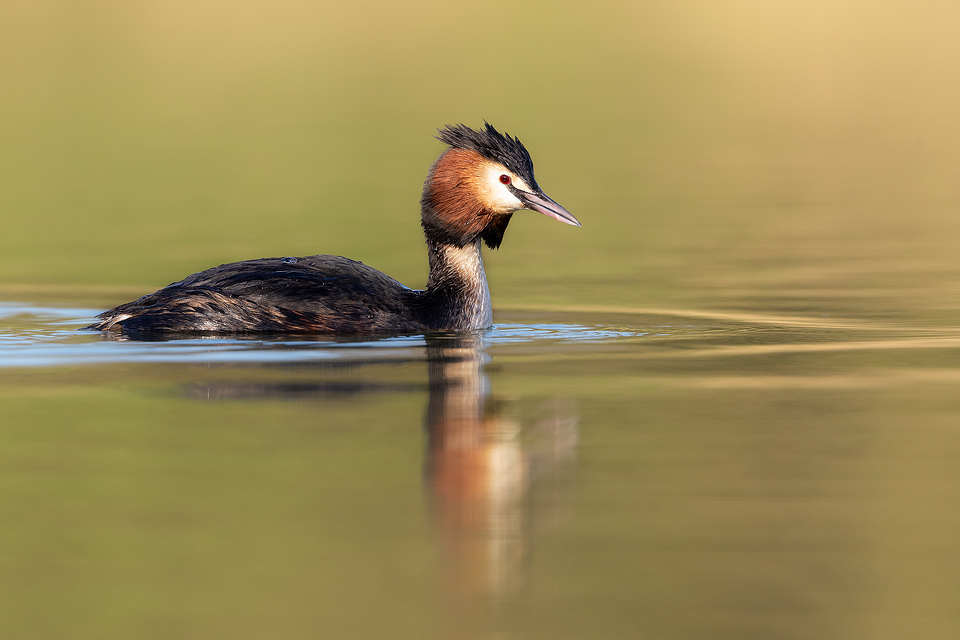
(469, 196)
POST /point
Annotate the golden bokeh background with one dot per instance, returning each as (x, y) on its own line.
(696, 141)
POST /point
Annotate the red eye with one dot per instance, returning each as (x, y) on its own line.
(505, 179)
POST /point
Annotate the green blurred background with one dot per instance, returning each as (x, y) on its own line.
(718, 154)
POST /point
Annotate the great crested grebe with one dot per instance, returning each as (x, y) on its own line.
(469, 195)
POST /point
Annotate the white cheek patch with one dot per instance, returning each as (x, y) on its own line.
(520, 184)
(497, 195)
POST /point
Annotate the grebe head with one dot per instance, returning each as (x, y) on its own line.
(477, 184)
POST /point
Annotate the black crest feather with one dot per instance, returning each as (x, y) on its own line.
(493, 145)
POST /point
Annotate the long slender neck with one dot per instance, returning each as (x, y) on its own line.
(455, 219)
(457, 297)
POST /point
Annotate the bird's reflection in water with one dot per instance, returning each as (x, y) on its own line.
(481, 463)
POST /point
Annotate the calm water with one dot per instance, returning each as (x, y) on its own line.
(557, 476)
(726, 407)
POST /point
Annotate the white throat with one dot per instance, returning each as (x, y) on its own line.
(466, 265)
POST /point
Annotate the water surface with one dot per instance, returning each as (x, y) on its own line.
(560, 477)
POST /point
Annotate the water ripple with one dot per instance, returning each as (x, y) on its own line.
(34, 336)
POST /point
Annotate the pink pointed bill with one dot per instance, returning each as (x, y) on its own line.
(541, 203)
